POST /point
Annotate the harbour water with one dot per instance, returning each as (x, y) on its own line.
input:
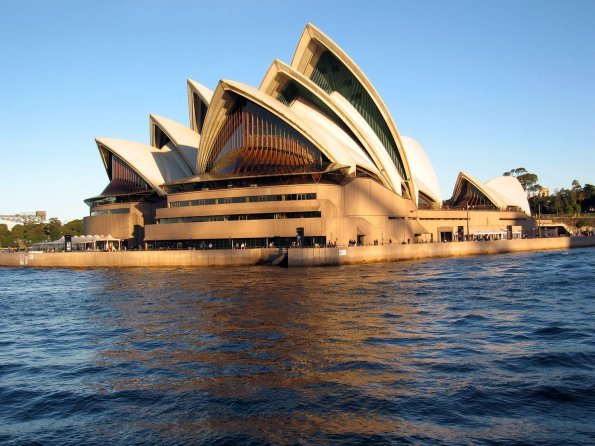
(475, 350)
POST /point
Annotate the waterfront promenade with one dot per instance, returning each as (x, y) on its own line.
(296, 257)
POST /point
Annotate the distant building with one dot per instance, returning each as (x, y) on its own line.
(544, 192)
(22, 218)
(311, 157)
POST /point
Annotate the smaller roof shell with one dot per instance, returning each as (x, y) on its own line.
(424, 175)
(185, 140)
(204, 94)
(154, 166)
(503, 192)
(511, 191)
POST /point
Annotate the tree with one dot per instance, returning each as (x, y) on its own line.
(74, 227)
(588, 202)
(5, 236)
(528, 180)
(53, 229)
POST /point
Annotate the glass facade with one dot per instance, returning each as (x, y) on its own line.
(293, 91)
(331, 75)
(236, 243)
(245, 199)
(237, 217)
(254, 141)
(123, 180)
(469, 196)
(110, 211)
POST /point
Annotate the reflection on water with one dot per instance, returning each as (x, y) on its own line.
(486, 349)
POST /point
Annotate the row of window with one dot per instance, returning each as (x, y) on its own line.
(210, 218)
(110, 211)
(246, 199)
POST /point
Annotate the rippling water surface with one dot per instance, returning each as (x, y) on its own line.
(478, 350)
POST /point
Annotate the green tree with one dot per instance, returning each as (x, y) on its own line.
(5, 236)
(53, 229)
(74, 227)
(588, 202)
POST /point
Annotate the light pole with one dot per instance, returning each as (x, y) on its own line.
(468, 221)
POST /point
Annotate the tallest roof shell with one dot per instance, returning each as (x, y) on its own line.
(309, 50)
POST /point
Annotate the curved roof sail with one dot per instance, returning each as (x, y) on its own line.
(326, 64)
(425, 179)
(199, 99)
(179, 138)
(271, 133)
(138, 165)
(511, 191)
(288, 86)
(503, 193)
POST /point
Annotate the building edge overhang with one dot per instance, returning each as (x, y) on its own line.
(208, 176)
(302, 58)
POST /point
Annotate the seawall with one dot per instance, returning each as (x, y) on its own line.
(393, 253)
(296, 257)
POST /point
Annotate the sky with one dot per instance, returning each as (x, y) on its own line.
(483, 86)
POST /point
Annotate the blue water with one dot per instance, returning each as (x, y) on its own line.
(479, 350)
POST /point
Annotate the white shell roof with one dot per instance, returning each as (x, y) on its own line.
(330, 139)
(205, 93)
(341, 148)
(503, 191)
(511, 191)
(384, 166)
(302, 60)
(422, 170)
(488, 192)
(155, 166)
(185, 139)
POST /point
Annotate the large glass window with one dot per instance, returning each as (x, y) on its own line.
(331, 75)
(253, 140)
(110, 211)
(123, 179)
(244, 199)
(469, 196)
(237, 217)
(293, 91)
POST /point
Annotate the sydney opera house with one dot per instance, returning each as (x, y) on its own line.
(310, 157)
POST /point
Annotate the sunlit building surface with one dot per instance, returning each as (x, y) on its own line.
(310, 157)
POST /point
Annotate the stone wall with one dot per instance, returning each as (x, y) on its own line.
(396, 252)
(93, 259)
(296, 257)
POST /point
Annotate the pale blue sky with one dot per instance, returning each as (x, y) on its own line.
(483, 86)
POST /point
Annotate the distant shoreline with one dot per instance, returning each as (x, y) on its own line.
(296, 257)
